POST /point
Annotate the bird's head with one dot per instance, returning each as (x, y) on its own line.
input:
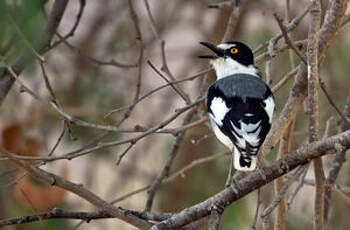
(231, 58)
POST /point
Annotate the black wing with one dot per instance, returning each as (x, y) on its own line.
(246, 121)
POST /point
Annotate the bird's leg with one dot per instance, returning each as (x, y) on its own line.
(229, 176)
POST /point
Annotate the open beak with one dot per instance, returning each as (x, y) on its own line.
(218, 52)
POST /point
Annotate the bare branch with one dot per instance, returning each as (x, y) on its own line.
(6, 81)
(255, 180)
(231, 24)
(55, 213)
(79, 190)
(191, 78)
(166, 70)
(338, 160)
(328, 31)
(292, 25)
(194, 163)
(281, 193)
(153, 24)
(330, 100)
(166, 169)
(258, 203)
(299, 185)
(59, 138)
(74, 27)
(100, 145)
(176, 89)
(287, 39)
(285, 146)
(313, 80)
(95, 60)
(284, 80)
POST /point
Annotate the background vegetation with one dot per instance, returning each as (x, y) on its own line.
(109, 95)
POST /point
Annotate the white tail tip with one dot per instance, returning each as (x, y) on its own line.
(248, 166)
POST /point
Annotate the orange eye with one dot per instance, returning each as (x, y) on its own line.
(234, 50)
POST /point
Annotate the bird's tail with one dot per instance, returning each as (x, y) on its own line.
(244, 162)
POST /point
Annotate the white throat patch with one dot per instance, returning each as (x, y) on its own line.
(227, 66)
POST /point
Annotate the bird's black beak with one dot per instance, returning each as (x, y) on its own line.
(218, 52)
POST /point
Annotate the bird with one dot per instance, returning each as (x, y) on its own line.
(239, 103)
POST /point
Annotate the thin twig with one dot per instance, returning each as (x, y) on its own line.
(165, 170)
(100, 145)
(268, 72)
(330, 100)
(28, 44)
(338, 160)
(47, 82)
(342, 194)
(176, 89)
(182, 172)
(71, 33)
(32, 206)
(59, 138)
(299, 186)
(255, 180)
(120, 157)
(287, 39)
(256, 215)
(287, 18)
(284, 80)
(278, 197)
(56, 14)
(231, 24)
(167, 71)
(191, 78)
(78, 190)
(292, 25)
(95, 60)
(153, 24)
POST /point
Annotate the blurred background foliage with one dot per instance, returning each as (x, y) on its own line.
(89, 90)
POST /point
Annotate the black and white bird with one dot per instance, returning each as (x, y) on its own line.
(239, 103)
